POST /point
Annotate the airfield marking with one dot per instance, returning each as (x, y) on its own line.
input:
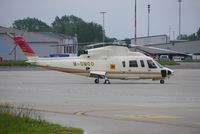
(7, 101)
(136, 116)
(149, 117)
(79, 113)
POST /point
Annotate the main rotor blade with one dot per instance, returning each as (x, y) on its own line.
(10, 35)
(156, 48)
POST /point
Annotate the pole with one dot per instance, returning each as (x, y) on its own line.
(169, 32)
(148, 18)
(179, 18)
(103, 28)
(15, 54)
(135, 22)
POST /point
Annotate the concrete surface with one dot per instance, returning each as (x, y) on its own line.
(122, 107)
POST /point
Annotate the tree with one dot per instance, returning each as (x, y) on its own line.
(31, 25)
(198, 34)
(68, 25)
(72, 25)
(183, 37)
(192, 37)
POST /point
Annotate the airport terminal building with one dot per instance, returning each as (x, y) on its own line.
(43, 43)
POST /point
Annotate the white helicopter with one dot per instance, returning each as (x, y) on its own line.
(108, 62)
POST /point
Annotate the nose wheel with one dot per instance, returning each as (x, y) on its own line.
(162, 81)
(106, 81)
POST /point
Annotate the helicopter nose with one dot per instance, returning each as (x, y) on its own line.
(170, 72)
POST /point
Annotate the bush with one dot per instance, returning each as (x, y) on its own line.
(14, 63)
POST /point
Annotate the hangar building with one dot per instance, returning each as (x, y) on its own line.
(43, 43)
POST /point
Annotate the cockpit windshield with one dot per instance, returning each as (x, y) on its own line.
(160, 66)
(151, 64)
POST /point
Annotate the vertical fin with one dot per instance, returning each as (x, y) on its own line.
(26, 49)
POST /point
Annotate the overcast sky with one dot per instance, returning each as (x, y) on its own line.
(119, 19)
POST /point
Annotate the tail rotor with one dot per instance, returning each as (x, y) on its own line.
(24, 46)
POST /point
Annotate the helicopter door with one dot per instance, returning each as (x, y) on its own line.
(152, 68)
(123, 66)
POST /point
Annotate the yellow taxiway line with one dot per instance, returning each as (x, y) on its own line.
(7, 101)
(149, 117)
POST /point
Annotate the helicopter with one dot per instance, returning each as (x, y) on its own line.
(110, 61)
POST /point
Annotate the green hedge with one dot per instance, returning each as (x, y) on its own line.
(14, 63)
(163, 62)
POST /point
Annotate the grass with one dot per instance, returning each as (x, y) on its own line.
(191, 61)
(14, 63)
(20, 121)
(164, 62)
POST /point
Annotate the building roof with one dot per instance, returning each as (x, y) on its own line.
(187, 47)
(33, 37)
(162, 35)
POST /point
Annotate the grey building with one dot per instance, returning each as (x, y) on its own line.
(186, 49)
(157, 39)
(43, 43)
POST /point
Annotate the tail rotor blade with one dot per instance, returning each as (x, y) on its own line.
(12, 50)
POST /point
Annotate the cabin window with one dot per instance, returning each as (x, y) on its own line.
(133, 63)
(151, 64)
(123, 63)
(142, 63)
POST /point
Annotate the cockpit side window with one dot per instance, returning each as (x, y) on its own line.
(123, 63)
(142, 63)
(151, 64)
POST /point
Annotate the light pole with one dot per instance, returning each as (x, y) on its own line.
(103, 28)
(135, 22)
(148, 17)
(179, 18)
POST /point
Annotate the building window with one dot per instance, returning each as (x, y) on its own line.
(133, 63)
(123, 63)
(66, 49)
(142, 63)
(151, 64)
(70, 49)
(74, 47)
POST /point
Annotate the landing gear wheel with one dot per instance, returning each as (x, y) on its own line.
(162, 81)
(96, 81)
(106, 82)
